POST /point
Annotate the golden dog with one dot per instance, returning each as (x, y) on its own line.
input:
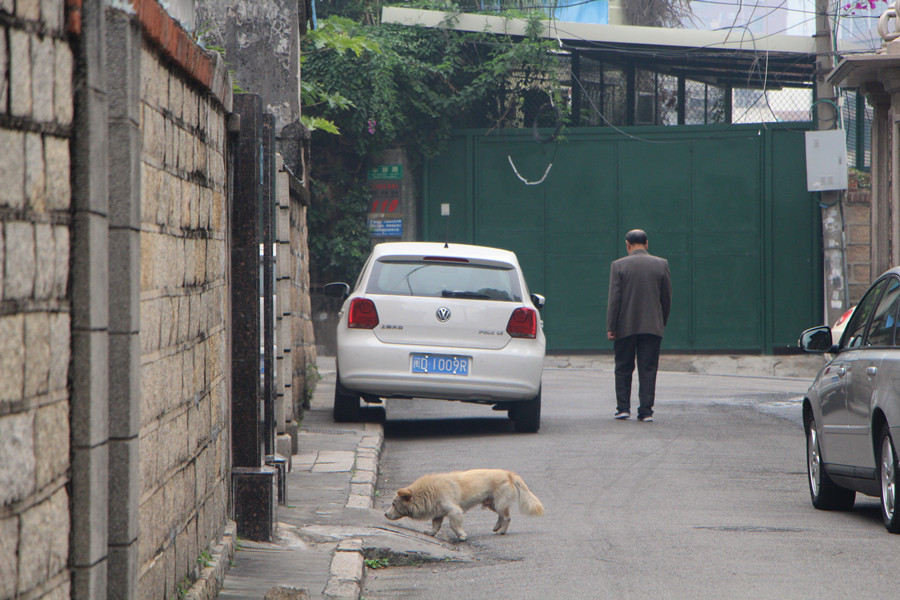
(440, 495)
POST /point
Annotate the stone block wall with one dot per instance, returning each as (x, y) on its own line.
(303, 347)
(857, 209)
(36, 114)
(115, 332)
(184, 424)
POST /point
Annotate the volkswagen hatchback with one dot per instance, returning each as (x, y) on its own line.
(851, 412)
(443, 321)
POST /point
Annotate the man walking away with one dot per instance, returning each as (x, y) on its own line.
(640, 296)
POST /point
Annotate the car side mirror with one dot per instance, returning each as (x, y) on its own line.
(538, 301)
(336, 290)
(817, 340)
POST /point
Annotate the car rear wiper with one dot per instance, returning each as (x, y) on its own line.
(459, 294)
(408, 275)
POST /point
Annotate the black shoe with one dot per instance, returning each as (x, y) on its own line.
(622, 414)
(646, 419)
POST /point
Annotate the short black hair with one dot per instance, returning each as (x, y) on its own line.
(636, 236)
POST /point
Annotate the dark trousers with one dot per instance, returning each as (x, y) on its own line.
(645, 347)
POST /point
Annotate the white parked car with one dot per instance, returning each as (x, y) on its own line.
(444, 321)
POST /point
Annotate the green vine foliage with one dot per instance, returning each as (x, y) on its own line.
(393, 86)
(338, 234)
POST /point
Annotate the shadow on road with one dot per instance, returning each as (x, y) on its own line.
(867, 509)
(446, 427)
(433, 427)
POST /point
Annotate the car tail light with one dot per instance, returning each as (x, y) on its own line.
(522, 323)
(452, 259)
(362, 314)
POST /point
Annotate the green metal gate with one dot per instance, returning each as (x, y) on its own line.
(726, 205)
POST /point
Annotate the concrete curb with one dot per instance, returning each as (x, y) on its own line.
(347, 571)
(348, 567)
(212, 576)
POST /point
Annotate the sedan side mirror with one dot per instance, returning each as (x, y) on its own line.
(538, 301)
(336, 290)
(817, 340)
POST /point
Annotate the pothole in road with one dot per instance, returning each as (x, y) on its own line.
(382, 558)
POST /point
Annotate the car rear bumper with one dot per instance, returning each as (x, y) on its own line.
(513, 373)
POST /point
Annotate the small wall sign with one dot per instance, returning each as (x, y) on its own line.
(386, 172)
(386, 227)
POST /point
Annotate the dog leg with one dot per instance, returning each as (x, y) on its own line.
(456, 525)
(436, 525)
(502, 521)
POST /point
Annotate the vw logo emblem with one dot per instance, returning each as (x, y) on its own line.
(443, 314)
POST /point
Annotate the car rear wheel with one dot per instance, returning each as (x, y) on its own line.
(824, 493)
(526, 415)
(346, 403)
(887, 474)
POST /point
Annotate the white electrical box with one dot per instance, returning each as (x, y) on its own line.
(826, 160)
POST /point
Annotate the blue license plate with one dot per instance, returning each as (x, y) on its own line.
(440, 363)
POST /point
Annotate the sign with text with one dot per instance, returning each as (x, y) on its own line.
(386, 186)
(386, 172)
(385, 196)
(385, 227)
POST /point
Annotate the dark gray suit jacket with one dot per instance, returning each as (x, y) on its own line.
(640, 295)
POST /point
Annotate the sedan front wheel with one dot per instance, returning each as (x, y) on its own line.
(824, 493)
(887, 474)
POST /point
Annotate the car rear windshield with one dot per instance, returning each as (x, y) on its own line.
(444, 280)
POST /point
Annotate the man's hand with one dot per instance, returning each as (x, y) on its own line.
(611, 335)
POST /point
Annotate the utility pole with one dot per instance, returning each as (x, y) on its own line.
(834, 256)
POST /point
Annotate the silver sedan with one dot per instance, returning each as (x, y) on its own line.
(851, 413)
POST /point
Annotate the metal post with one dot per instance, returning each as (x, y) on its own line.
(253, 485)
(246, 441)
(576, 90)
(267, 214)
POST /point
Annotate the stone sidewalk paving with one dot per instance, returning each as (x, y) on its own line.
(312, 556)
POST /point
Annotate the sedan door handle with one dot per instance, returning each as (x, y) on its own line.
(872, 371)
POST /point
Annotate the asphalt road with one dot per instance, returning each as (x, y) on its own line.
(708, 501)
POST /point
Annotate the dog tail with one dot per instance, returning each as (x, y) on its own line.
(528, 502)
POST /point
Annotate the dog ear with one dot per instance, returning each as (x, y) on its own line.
(404, 493)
